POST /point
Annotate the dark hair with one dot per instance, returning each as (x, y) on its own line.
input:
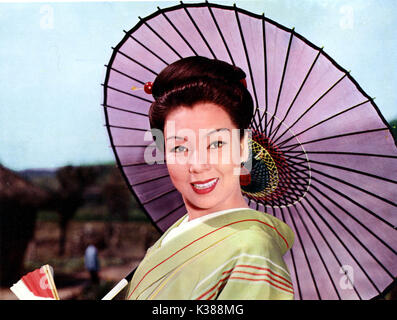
(192, 80)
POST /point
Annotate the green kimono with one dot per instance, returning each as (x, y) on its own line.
(237, 255)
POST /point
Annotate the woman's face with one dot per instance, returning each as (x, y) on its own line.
(203, 153)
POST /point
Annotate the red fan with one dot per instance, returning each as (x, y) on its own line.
(36, 285)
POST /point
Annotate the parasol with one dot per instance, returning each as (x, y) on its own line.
(323, 157)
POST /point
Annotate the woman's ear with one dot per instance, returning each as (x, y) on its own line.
(244, 145)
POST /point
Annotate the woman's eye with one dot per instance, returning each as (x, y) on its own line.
(216, 144)
(179, 149)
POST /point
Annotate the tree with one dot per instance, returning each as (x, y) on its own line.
(117, 199)
(73, 182)
(116, 196)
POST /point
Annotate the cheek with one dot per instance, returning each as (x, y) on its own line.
(228, 156)
(178, 174)
(229, 172)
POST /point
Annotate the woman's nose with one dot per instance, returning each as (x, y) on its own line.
(198, 162)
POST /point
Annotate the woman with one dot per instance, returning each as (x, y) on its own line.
(221, 249)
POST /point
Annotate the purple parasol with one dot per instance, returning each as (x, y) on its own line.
(323, 157)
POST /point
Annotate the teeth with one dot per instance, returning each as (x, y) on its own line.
(205, 185)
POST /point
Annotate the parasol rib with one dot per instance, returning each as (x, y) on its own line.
(249, 69)
(199, 31)
(148, 49)
(178, 32)
(265, 66)
(281, 82)
(136, 145)
(356, 187)
(351, 233)
(133, 165)
(128, 128)
(343, 153)
(126, 75)
(326, 242)
(298, 163)
(293, 146)
(296, 95)
(158, 196)
(128, 93)
(169, 213)
(293, 260)
(341, 242)
(129, 111)
(149, 180)
(161, 38)
(354, 202)
(221, 35)
(136, 61)
(311, 107)
(295, 155)
(288, 195)
(316, 248)
(360, 223)
(322, 121)
(352, 170)
(297, 232)
(298, 184)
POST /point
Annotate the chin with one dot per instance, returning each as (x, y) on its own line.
(204, 204)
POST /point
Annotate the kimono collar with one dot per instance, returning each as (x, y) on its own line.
(160, 260)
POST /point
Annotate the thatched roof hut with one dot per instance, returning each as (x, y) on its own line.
(16, 190)
(19, 201)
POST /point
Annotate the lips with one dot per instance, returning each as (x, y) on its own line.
(206, 186)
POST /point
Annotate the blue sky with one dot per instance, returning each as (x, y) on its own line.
(52, 58)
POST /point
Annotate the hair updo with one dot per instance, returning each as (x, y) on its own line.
(193, 80)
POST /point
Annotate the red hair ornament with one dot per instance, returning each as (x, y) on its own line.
(148, 87)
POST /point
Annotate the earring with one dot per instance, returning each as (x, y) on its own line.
(245, 176)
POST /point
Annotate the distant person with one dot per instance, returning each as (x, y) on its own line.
(92, 263)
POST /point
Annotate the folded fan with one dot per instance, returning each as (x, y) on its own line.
(37, 285)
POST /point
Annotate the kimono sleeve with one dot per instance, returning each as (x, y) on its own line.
(257, 272)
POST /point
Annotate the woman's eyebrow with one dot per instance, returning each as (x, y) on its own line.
(175, 137)
(209, 133)
(217, 130)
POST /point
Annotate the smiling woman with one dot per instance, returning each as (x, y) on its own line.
(204, 175)
(221, 249)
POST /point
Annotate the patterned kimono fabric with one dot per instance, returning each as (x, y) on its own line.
(236, 255)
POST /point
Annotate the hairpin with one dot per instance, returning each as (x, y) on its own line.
(147, 87)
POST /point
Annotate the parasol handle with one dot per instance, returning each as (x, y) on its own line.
(116, 289)
(119, 286)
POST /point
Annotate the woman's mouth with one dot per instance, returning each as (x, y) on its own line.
(206, 186)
